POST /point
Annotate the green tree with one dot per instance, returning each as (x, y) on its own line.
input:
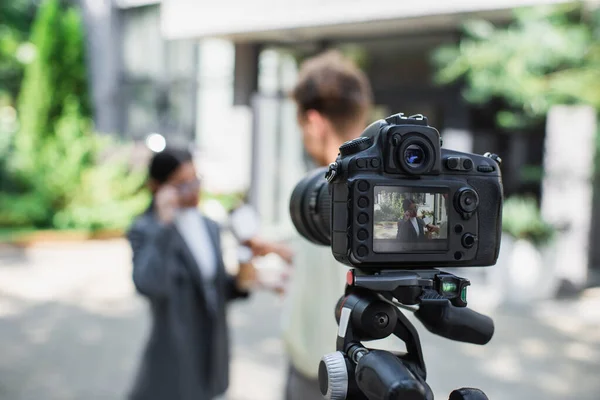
(548, 55)
(57, 173)
(15, 22)
(56, 74)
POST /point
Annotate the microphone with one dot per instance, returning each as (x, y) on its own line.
(456, 323)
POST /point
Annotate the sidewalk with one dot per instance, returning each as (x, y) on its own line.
(71, 327)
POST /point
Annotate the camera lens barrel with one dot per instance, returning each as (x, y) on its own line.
(310, 208)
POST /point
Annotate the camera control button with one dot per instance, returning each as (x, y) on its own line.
(361, 163)
(363, 202)
(362, 251)
(362, 234)
(452, 162)
(363, 218)
(375, 163)
(467, 164)
(458, 228)
(485, 168)
(363, 186)
(468, 240)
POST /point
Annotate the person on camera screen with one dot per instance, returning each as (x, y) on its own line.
(334, 100)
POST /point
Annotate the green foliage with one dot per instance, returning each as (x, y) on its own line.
(531, 173)
(388, 212)
(56, 73)
(521, 219)
(549, 55)
(390, 206)
(68, 188)
(54, 172)
(15, 21)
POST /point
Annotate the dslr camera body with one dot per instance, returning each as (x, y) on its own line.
(381, 180)
(395, 206)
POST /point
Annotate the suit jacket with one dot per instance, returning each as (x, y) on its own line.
(407, 231)
(187, 355)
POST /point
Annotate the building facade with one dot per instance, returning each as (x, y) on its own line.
(218, 74)
(142, 83)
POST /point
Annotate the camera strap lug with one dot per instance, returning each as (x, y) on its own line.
(332, 172)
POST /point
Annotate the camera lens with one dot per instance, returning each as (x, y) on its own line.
(414, 156)
(467, 200)
(310, 208)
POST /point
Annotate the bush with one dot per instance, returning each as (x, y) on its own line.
(52, 175)
(388, 212)
(66, 187)
(547, 55)
(521, 218)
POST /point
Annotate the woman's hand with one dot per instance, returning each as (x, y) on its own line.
(246, 276)
(262, 247)
(275, 281)
(432, 228)
(166, 203)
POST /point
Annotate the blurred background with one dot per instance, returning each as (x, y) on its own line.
(90, 88)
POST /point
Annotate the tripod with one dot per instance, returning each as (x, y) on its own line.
(367, 312)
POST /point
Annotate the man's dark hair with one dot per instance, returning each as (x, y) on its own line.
(336, 88)
(406, 203)
(165, 163)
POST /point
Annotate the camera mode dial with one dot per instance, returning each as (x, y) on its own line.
(494, 157)
(466, 202)
(355, 146)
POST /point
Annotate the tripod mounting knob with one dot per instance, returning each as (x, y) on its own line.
(333, 376)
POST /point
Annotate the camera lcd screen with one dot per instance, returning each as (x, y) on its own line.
(408, 220)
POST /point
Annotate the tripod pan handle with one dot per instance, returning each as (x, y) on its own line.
(456, 323)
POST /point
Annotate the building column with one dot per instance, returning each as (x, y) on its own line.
(223, 131)
(102, 27)
(567, 190)
(245, 79)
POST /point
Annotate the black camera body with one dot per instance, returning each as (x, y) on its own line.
(366, 205)
(382, 179)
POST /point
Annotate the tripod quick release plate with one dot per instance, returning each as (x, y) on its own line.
(414, 287)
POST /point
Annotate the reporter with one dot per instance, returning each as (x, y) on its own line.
(178, 267)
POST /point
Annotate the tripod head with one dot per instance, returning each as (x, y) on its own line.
(367, 312)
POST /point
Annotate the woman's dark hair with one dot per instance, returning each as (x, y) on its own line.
(406, 203)
(165, 163)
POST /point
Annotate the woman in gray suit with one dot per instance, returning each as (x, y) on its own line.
(178, 267)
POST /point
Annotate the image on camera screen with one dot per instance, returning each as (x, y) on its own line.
(407, 220)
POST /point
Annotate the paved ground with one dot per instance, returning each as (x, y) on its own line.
(71, 327)
(386, 230)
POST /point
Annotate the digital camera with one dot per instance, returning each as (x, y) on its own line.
(395, 199)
